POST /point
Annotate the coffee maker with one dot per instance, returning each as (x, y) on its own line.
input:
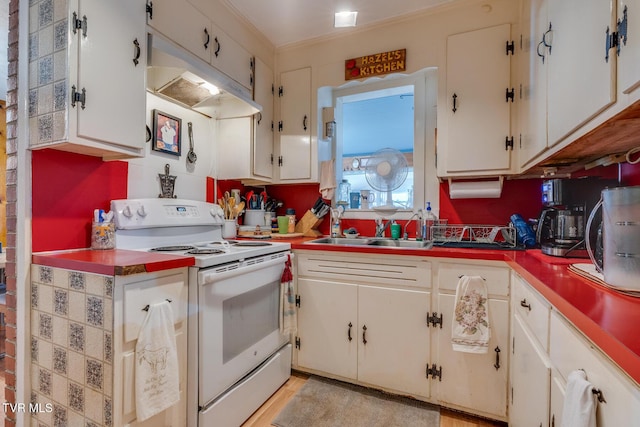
(566, 205)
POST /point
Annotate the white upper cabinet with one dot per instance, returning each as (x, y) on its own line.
(295, 153)
(629, 58)
(581, 82)
(263, 121)
(81, 79)
(477, 112)
(182, 23)
(232, 59)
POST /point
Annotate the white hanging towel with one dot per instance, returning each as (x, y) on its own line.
(157, 382)
(579, 408)
(328, 178)
(288, 318)
(470, 329)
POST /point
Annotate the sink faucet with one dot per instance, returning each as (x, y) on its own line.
(405, 235)
(381, 227)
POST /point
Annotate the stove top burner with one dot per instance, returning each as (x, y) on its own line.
(231, 242)
(248, 244)
(174, 248)
(201, 251)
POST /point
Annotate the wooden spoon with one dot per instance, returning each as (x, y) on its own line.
(238, 209)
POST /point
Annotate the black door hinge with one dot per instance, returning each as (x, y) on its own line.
(78, 97)
(280, 92)
(150, 9)
(511, 47)
(510, 94)
(508, 143)
(280, 126)
(298, 343)
(273, 89)
(272, 125)
(79, 24)
(297, 296)
(616, 38)
(434, 372)
(279, 160)
(434, 319)
(272, 153)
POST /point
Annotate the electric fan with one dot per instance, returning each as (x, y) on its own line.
(386, 171)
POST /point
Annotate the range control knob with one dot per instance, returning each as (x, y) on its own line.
(141, 211)
(127, 211)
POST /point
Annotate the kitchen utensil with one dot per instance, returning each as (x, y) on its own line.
(167, 184)
(621, 237)
(191, 155)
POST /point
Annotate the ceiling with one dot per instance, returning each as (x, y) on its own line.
(286, 22)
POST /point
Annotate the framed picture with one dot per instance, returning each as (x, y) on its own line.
(167, 131)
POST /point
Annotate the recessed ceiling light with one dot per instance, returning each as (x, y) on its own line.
(345, 19)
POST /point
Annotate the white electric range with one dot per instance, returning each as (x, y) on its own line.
(237, 356)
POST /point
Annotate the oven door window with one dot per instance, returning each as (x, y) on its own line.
(248, 318)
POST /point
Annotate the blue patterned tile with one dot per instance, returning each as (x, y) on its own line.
(46, 274)
(91, 424)
(76, 280)
(76, 397)
(60, 418)
(45, 381)
(34, 43)
(46, 325)
(45, 13)
(34, 295)
(108, 287)
(34, 397)
(34, 349)
(76, 337)
(33, 102)
(45, 70)
(108, 412)
(60, 35)
(94, 374)
(59, 96)
(95, 311)
(60, 360)
(108, 347)
(61, 302)
(45, 128)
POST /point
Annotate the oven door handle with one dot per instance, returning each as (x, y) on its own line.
(209, 275)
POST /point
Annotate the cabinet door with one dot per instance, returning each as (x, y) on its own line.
(478, 75)
(327, 318)
(472, 380)
(581, 82)
(530, 377)
(108, 74)
(629, 59)
(295, 117)
(533, 73)
(182, 23)
(556, 400)
(393, 350)
(263, 122)
(229, 57)
(235, 148)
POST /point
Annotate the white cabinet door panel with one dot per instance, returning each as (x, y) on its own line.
(629, 59)
(295, 135)
(263, 121)
(230, 57)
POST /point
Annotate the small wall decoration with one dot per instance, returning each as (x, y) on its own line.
(375, 65)
(167, 131)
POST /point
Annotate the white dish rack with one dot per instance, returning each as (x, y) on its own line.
(504, 236)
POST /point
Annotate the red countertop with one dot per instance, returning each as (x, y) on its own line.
(608, 318)
(112, 262)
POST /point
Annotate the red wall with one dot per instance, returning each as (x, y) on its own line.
(67, 187)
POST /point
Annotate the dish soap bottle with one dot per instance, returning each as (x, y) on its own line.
(430, 219)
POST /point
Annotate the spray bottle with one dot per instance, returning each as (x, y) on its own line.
(429, 221)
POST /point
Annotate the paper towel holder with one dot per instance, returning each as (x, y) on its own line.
(476, 189)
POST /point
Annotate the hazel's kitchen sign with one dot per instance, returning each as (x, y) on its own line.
(375, 65)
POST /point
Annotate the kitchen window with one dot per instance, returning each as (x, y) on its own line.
(399, 112)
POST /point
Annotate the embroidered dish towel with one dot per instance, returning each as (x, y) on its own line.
(328, 178)
(156, 373)
(579, 408)
(288, 320)
(470, 331)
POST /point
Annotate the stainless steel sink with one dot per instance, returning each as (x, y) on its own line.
(373, 241)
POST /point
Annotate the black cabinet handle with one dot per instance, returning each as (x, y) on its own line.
(218, 46)
(455, 99)
(497, 364)
(524, 304)
(349, 331)
(304, 122)
(541, 55)
(544, 38)
(364, 335)
(136, 54)
(206, 43)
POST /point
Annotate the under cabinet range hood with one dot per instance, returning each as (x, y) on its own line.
(175, 74)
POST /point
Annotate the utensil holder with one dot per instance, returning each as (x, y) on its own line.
(308, 225)
(103, 235)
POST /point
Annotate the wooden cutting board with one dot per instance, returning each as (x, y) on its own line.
(285, 236)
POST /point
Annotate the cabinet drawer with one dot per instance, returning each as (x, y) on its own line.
(569, 351)
(533, 310)
(373, 269)
(497, 278)
(140, 294)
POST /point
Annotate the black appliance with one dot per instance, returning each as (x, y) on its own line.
(566, 205)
